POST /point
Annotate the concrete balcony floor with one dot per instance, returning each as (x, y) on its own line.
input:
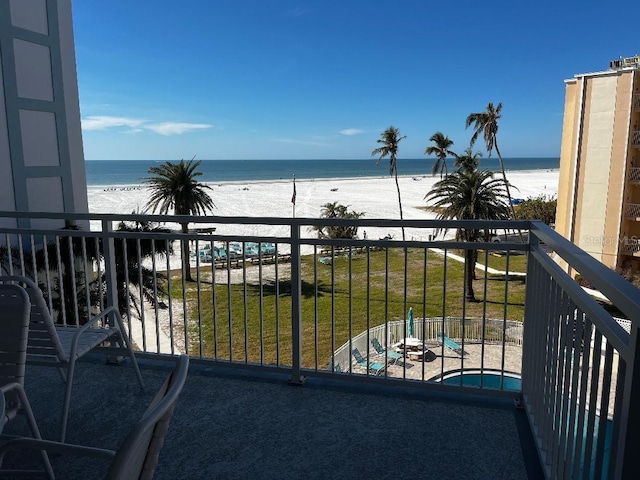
(235, 424)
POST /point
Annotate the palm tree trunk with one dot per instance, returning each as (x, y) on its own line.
(506, 184)
(469, 266)
(186, 266)
(399, 203)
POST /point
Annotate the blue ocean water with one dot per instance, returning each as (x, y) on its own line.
(132, 172)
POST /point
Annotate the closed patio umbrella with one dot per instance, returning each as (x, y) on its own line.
(410, 330)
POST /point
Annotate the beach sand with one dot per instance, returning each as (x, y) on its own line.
(376, 197)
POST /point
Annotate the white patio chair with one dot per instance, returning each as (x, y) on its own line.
(137, 456)
(60, 346)
(14, 327)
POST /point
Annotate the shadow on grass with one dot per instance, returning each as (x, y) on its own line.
(512, 278)
(308, 290)
(493, 302)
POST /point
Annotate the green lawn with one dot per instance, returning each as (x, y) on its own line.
(363, 292)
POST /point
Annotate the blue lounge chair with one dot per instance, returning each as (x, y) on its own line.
(391, 355)
(374, 367)
(450, 344)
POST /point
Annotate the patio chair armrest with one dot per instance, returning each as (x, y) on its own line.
(90, 323)
(54, 447)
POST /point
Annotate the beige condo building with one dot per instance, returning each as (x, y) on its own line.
(599, 183)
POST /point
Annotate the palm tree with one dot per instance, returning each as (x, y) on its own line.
(174, 186)
(487, 123)
(389, 141)
(469, 194)
(336, 210)
(469, 161)
(441, 149)
(134, 281)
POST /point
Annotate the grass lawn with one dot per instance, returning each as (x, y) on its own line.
(253, 322)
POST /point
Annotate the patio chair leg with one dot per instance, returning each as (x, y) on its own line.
(132, 356)
(35, 431)
(67, 400)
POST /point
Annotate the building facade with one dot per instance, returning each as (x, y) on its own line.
(41, 155)
(599, 182)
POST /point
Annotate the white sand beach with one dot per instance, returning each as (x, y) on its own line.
(376, 197)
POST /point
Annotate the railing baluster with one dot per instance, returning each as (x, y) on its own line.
(296, 307)
(277, 302)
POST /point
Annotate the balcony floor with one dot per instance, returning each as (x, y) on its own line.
(234, 424)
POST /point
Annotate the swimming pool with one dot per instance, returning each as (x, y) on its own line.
(489, 379)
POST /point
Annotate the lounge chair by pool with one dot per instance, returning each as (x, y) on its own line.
(374, 367)
(450, 344)
(390, 354)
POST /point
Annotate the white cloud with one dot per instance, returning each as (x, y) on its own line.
(136, 125)
(104, 122)
(351, 131)
(175, 128)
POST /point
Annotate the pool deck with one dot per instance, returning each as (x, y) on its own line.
(445, 360)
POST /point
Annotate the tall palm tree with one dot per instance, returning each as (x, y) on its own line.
(441, 149)
(174, 186)
(487, 123)
(389, 140)
(469, 194)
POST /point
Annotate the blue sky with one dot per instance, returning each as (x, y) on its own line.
(321, 79)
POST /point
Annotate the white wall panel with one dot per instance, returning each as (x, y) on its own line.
(45, 195)
(30, 15)
(33, 70)
(39, 138)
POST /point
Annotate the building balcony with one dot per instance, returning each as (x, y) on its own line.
(636, 102)
(632, 210)
(631, 246)
(635, 139)
(503, 382)
(634, 175)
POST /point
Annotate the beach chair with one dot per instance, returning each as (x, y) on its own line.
(450, 344)
(14, 329)
(374, 367)
(389, 354)
(60, 346)
(137, 456)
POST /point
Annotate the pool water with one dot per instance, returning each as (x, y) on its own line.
(489, 380)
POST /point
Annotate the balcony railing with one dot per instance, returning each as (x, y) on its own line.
(636, 101)
(634, 175)
(632, 210)
(290, 302)
(635, 138)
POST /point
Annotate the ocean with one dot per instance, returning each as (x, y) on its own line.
(132, 172)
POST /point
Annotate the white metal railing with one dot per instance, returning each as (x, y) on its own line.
(579, 364)
(290, 309)
(634, 175)
(632, 210)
